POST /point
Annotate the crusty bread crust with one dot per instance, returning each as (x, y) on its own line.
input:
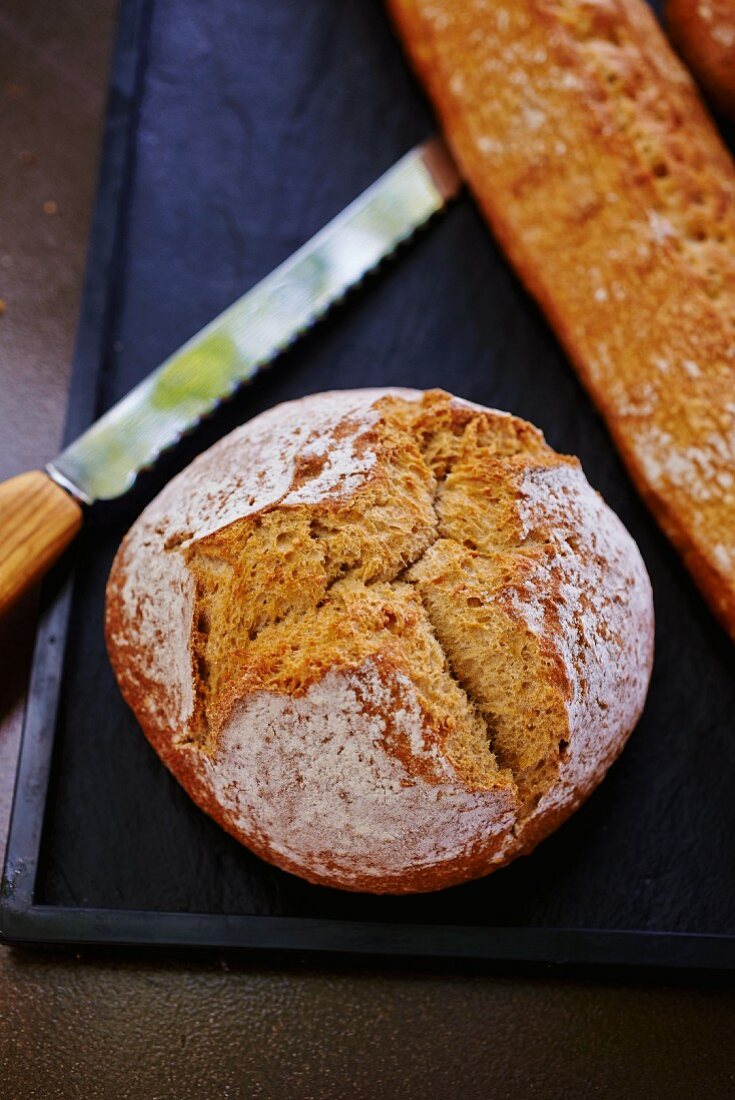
(389, 640)
(589, 151)
(703, 32)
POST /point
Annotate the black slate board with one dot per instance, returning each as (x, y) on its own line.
(235, 130)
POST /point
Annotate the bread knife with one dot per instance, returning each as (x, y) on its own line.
(41, 511)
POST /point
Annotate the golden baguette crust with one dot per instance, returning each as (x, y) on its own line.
(589, 151)
(389, 640)
(703, 32)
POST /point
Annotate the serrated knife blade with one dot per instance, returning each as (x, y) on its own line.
(104, 462)
(41, 512)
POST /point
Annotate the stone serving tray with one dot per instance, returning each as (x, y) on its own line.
(234, 130)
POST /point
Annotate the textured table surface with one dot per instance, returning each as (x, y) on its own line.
(141, 1026)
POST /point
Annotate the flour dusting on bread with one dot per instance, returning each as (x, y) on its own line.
(333, 798)
(387, 639)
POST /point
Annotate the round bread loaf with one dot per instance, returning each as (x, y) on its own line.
(388, 639)
(703, 31)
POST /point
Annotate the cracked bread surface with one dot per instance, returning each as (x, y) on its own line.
(388, 639)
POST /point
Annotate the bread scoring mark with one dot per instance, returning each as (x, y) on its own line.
(222, 490)
(439, 436)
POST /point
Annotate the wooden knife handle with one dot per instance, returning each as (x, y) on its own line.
(38, 520)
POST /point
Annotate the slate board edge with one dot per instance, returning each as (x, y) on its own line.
(17, 886)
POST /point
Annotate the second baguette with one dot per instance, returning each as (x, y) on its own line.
(590, 153)
(704, 35)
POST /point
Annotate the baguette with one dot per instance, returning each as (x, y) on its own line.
(592, 157)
